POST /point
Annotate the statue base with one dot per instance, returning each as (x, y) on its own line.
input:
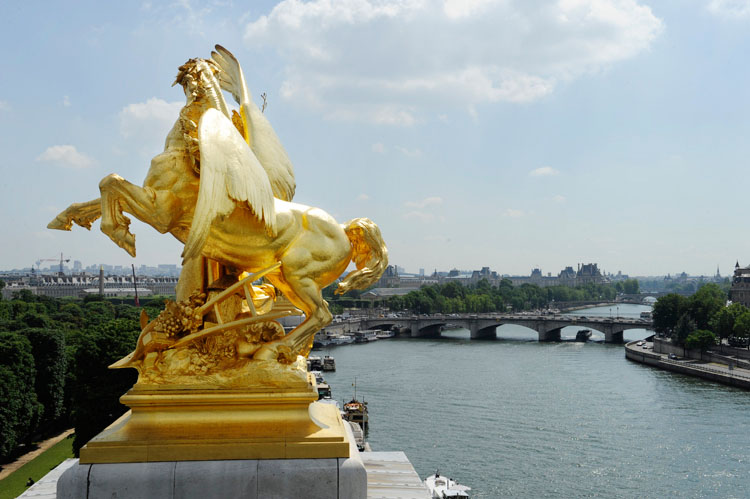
(175, 423)
(219, 479)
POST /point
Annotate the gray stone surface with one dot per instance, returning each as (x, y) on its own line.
(352, 472)
(298, 478)
(132, 480)
(268, 478)
(73, 481)
(205, 479)
(343, 478)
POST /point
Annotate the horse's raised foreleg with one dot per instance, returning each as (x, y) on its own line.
(147, 205)
(84, 214)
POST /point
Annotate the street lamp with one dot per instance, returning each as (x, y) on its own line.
(618, 312)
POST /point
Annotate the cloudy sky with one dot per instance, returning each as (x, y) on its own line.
(511, 133)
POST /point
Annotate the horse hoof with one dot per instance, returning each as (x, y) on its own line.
(60, 223)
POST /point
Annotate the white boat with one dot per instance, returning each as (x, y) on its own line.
(382, 335)
(342, 339)
(365, 335)
(442, 487)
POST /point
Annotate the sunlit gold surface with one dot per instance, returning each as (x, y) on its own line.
(187, 424)
(216, 363)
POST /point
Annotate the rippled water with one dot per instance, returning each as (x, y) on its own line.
(514, 417)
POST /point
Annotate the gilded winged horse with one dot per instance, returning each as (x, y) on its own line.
(223, 187)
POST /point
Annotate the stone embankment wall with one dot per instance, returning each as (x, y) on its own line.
(637, 354)
(736, 356)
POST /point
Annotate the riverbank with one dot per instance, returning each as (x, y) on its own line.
(712, 371)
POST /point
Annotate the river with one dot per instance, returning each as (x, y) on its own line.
(515, 417)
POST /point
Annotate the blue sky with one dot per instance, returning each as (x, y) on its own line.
(509, 134)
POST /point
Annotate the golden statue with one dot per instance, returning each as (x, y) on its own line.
(223, 187)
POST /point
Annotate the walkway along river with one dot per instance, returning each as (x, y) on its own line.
(515, 417)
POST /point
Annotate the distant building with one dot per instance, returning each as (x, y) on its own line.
(567, 277)
(740, 290)
(390, 278)
(588, 273)
(83, 284)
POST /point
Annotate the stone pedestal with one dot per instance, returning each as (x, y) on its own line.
(246, 478)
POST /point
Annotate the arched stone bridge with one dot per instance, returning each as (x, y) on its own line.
(484, 326)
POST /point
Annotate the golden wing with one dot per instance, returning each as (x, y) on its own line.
(259, 134)
(230, 175)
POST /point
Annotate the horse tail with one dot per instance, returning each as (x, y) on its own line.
(370, 255)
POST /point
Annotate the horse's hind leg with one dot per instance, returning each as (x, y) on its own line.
(84, 214)
(305, 294)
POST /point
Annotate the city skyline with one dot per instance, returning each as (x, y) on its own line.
(72, 267)
(609, 131)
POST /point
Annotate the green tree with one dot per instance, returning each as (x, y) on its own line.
(667, 311)
(684, 327)
(97, 389)
(701, 338)
(19, 407)
(722, 322)
(742, 325)
(706, 302)
(630, 286)
(50, 359)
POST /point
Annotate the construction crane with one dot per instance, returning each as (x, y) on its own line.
(61, 260)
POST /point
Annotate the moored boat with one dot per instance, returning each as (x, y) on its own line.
(442, 487)
(314, 363)
(342, 339)
(365, 335)
(583, 335)
(329, 364)
(356, 412)
(324, 391)
(382, 335)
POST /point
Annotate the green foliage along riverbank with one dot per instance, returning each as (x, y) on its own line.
(453, 297)
(703, 319)
(54, 354)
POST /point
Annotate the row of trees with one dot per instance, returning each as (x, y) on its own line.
(453, 297)
(54, 355)
(701, 320)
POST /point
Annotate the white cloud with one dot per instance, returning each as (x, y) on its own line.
(544, 171)
(66, 155)
(155, 116)
(419, 215)
(4, 106)
(559, 198)
(430, 201)
(730, 8)
(378, 147)
(145, 125)
(363, 197)
(513, 213)
(412, 153)
(66, 101)
(377, 60)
